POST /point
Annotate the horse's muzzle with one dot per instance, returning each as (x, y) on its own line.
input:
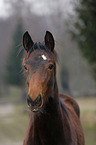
(34, 105)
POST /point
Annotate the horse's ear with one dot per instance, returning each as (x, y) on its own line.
(27, 41)
(49, 41)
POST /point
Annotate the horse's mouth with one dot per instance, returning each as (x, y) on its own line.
(35, 110)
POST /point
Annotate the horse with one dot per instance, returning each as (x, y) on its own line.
(54, 119)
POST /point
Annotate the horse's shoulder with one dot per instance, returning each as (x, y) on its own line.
(70, 101)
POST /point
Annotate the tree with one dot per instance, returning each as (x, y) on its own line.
(13, 66)
(84, 31)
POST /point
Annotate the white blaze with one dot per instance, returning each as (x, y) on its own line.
(44, 57)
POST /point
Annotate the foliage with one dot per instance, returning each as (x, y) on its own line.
(85, 30)
(13, 66)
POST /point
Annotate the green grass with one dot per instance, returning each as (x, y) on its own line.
(88, 119)
(13, 126)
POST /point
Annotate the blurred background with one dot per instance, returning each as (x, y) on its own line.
(73, 24)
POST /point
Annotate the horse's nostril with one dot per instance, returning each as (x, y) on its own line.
(29, 100)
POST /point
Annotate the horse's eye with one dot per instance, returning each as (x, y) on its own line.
(25, 67)
(51, 66)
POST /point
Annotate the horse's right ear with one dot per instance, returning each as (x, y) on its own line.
(27, 41)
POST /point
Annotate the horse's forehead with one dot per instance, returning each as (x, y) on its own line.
(41, 55)
(38, 53)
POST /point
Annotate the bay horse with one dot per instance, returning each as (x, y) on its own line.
(54, 119)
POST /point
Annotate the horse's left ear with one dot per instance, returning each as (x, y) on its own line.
(49, 41)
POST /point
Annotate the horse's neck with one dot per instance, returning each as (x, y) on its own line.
(48, 126)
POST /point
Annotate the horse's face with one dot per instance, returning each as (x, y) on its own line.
(39, 63)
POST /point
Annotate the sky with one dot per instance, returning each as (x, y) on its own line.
(2, 9)
(38, 7)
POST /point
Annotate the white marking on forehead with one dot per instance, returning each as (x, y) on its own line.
(44, 57)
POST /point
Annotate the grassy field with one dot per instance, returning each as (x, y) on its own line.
(14, 118)
(88, 119)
